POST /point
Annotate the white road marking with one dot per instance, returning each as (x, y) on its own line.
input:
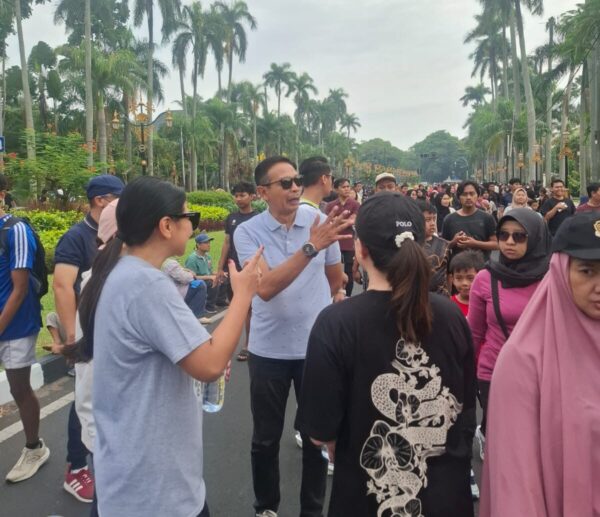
(53, 407)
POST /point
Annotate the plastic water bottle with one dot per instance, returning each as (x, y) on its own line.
(213, 395)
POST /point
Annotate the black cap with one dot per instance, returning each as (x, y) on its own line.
(384, 217)
(579, 236)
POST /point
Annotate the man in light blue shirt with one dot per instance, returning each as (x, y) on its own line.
(302, 271)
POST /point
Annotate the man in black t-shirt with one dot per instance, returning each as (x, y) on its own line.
(558, 208)
(243, 193)
(470, 228)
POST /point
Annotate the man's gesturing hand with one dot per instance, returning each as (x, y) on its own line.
(323, 235)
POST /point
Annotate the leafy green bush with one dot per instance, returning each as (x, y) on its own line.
(259, 205)
(43, 220)
(212, 198)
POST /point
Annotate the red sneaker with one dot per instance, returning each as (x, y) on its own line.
(79, 484)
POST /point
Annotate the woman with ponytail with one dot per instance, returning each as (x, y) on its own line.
(392, 398)
(148, 348)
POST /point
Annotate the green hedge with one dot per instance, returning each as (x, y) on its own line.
(212, 198)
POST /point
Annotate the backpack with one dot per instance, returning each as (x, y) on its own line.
(39, 270)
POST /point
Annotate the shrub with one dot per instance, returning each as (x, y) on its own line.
(212, 198)
(259, 205)
(212, 218)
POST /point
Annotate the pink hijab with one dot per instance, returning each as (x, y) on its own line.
(542, 453)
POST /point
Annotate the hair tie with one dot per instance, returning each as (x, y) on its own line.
(402, 237)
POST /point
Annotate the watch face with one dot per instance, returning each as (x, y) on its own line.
(309, 250)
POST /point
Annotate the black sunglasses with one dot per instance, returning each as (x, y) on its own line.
(518, 237)
(194, 218)
(286, 183)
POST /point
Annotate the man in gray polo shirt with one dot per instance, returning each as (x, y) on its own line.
(302, 270)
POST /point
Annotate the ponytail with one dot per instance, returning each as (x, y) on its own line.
(408, 271)
(104, 263)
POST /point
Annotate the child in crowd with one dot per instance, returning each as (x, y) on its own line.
(200, 263)
(436, 249)
(463, 270)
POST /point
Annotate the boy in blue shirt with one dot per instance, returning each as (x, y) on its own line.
(20, 323)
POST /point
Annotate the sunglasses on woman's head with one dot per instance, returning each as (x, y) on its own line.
(286, 183)
(194, 218)
(518, 237)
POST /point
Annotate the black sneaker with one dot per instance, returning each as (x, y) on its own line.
(223, 304)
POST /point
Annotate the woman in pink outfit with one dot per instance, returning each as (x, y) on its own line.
(524, 244)
(543, 452)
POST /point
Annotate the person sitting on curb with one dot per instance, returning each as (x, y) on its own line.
(192, 288)
(200, 263)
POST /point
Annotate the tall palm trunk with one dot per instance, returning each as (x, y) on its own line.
(515, 64)
(254, 141)
(150, 91)
(89, 101)
(564, 120)
(2, 104)
(584, 143)
(186, 184)
(102, 132)
(594, 75)
(30, 133)
(529, 101)
(230, 67)
(279, 120)
(193, 183)
(504, 63)
(548, 158)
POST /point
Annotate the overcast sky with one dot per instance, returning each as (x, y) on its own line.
(402, 62)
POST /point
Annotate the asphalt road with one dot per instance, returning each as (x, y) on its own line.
(227, 472)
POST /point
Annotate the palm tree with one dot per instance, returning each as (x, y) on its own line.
(25, 82)
(550, 26)
(234, 16)
(475, 95)
(489, 43)
(117, 71)
(191, 36)
(301, 86)
(55, 90)
(41, 60)
(251, 98)
(337, 98)
(169, 10)
(215, 33)
(537, 8)
(350, 122)
(277, 77)
(89, 102)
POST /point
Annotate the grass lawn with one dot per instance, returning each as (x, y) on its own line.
(48, 300)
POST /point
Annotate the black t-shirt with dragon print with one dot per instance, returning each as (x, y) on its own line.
(402, 415)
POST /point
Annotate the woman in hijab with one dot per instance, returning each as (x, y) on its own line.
(443, 206)
(519, 200)
(501, 291)
(542, 456)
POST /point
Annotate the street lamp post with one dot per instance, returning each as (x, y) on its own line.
(537, 159)
(520, 165)
(565, 154)
(142, 122)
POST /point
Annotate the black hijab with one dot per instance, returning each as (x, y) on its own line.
(442, 211)
(534, 264)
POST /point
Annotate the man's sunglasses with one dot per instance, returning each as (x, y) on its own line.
(518, 237)
(194, 218)
(286, 183)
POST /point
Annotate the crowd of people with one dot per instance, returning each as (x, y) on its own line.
(471, 294)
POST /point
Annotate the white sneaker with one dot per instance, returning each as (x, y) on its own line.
(474, 487)
(204, 320)
(266, 513)
(481, 439)
(29, 463)
(298, 442)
